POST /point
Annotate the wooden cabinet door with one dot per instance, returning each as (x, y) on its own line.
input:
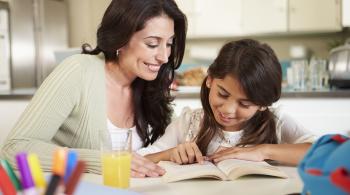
(314, 15)
(267, 16)
(212, 18)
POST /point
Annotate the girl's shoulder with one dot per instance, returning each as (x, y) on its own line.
(192, 115)
(193, 118)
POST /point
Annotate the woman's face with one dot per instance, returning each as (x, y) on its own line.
(230, 105)
(148, 49)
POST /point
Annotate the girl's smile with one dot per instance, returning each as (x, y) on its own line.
(230, 105)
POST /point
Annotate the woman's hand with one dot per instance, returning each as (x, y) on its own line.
(186, 153)
(142, 167)
(252, 153)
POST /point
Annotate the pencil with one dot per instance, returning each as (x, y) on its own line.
(6, 185)
(74, 179)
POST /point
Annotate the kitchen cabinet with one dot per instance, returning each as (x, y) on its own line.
(229, 18)
(268, 16)
(314, 15)
(212, 18)
(83, 24)
(346, 13)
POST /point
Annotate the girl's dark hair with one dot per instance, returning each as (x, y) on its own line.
(151, 99)
(258, 71)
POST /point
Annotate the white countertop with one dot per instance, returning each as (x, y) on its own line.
(247, 185)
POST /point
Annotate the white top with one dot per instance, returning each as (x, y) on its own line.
(187, 125)
(136, 140)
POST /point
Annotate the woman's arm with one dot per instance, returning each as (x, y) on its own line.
(48, 109)
(290, 154)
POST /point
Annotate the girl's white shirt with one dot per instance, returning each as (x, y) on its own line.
(187, 125)
(136, 140)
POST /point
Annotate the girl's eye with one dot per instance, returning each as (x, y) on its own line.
(222, 95)
(245, 104)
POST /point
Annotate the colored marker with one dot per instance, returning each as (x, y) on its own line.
(8, 168)
(59, 162)
(74, 179)
(58, 169)
(36, 171)
(26, 177)
(54, 182)
(6, 185)
(72, 159)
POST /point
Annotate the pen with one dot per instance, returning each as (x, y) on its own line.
(36, 171)
(8, 168)
(6, 186)
(74, 179)
(26, 177)
(71, 163)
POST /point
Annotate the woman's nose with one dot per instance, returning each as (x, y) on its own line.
(162, 55)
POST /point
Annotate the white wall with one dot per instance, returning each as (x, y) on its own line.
(10, 111)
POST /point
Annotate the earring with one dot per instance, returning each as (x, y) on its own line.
(117, 53)
(263, 108)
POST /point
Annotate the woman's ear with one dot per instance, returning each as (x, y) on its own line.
(208, 81)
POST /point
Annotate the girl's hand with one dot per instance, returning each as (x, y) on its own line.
(252, 153)
(186, 153)
(142, 167)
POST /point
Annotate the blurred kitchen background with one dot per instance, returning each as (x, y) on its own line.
(308, 36)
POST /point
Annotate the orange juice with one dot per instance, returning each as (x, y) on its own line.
(116, 169)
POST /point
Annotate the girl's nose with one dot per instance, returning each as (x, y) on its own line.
(229, 109)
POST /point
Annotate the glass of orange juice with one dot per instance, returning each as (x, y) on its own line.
(116, 157)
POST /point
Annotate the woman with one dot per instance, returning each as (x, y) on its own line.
(142, 42)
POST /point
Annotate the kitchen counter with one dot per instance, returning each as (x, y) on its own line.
(193, 92)
(17, 94)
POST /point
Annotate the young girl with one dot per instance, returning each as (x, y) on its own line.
(236, 121)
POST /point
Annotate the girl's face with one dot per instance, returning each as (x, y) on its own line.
(148, 49)
(230, 105)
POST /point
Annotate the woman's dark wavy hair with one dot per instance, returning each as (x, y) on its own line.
(259, 73)
(151, 99)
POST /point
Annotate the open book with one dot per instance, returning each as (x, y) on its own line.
(229, 169)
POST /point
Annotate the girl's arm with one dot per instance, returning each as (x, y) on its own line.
(290, 154)
(286, 153)
(186, 153)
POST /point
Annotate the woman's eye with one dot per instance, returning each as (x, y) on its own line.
(169, 44)
(152, 45)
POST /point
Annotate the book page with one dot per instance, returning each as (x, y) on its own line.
(235, 168)
(176, 172)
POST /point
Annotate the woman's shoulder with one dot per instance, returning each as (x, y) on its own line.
(84, 60)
